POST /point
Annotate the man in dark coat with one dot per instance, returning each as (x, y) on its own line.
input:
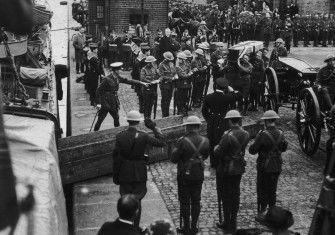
(127, 208)
(129, 156)
(269, 144)
(214, 109)
(231, 166)
(107, 97)
(189, 154)
(165, 44)
(93, 72)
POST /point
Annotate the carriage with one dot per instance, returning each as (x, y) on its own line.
(290, 83)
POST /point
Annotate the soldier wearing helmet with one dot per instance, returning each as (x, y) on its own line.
(325, 80)
(190, 153)
(129, 168)
(167, 73)
(231, 166)
(183, 84)
(107, 95)
(278, 51)
(269, 145)
(149, 74)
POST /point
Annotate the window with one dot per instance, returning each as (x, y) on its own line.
(100, 12)
(136, 18)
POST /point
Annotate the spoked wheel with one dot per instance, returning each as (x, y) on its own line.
(308, 121)
(271, 90)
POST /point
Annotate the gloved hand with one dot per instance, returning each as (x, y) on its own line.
(150, 124)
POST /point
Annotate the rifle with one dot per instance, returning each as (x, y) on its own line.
(155, 106)
(174, 100)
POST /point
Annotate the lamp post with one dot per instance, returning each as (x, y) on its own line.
(68, 92)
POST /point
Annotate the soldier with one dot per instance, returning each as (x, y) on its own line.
(215, 107)
(277, 24)
(129, 168)
(217, 55)
(93, 72)
(324, 25)
(331, 40)
(236, 28)
(136, 73)
(267, 30)
(269, 144)
(149, 74)
(189, 154)
(157, 42)
(306, 30)
(183, 84)
(325, 81)
(278, 51)
(231, 166)
(296, 29)
(199, 66)
(167, 72)
(257, 80)
(107, 98)
(315, 30)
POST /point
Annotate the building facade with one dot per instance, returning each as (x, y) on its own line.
(120, 15)
(311, 6)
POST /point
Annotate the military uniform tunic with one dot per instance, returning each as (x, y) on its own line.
(184, 86)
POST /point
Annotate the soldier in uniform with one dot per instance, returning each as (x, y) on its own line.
(217, 55)
(129, 168)
(306, 30)
(278, 51)
(189, 154)
(167, 73)
(324, 30)
(183, 84)
(267, 30)
(236, 28)
(107, 97)
(269, 144)
(79, 43)
(325, 81)
(277, 24)
(199, 66)
(149, 74)
(135, 73)
(296, 29)
(257, 80)
(214, 108)
(231, 166)
(316, 30)
(331, 30)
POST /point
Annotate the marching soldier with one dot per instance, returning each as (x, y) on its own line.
(93, 72)
(189, 154)
(231, 166)
(183, 84)
(129, 168)
(269, 144)
(199, 66)
(149, 74)
(107, 97)
(215, 107)
(167, 72)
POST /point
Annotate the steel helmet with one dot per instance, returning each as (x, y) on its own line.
(329, 58)
(193, 120)
(279, 40)
(270, 114)
(204, 46)
(233, 114)
(134, 116)
(168, 55)
(203, 23)
(188, 53)
(199, 52)
(150, 59)
(182, 55)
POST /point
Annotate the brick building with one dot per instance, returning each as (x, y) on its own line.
(312, 6)
(118, 15)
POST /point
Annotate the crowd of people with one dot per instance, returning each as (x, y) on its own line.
(190, 152)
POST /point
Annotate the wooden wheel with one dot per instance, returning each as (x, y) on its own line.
(271, 90)
(308, 121)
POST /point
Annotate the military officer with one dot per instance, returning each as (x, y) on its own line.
(93, 72)
(149, 74)
(168, 74)
(231, 166)
(199, 66)
(183, 84)
(214, 108)
(269, 144)
(189, 154)
(107, 97)
(325, 80)
(129, 168)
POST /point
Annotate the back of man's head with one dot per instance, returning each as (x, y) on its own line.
(127, 207)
